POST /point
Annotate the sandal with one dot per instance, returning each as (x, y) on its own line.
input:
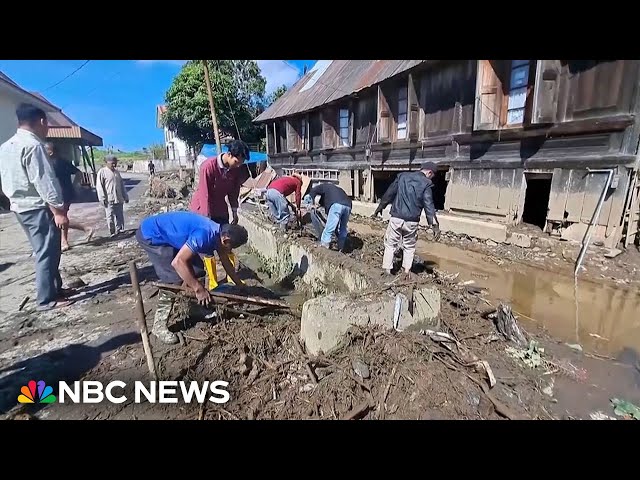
(53, 305)
(65, 248)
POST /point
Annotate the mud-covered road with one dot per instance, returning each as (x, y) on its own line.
(409, 376)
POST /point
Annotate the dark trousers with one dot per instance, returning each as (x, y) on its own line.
(44, 236)
(161, 257)
(221, 220)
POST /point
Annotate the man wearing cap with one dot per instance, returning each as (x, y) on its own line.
(112, 194)
(408, 195)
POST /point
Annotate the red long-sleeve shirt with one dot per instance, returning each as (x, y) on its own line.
(287, 185)
(214, 185)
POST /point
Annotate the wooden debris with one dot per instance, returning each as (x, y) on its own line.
(508, 326)
(23, 303)
(227, 296)
(142, 322)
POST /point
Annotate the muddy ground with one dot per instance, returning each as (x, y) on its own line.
(374, 374)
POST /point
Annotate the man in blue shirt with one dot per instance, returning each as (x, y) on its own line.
(175, 242)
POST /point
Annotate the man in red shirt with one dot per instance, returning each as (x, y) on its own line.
(276, 198)
(221, 177)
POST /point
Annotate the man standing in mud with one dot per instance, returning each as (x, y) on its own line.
(175, 242)
(409, 194)
(112, 194)
(35, 196)
(221, 177)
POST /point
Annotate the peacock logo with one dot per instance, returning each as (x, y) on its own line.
(28, 393)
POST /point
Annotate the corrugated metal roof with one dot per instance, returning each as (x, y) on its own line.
(341, 79)
(28, 96)
(61, 126)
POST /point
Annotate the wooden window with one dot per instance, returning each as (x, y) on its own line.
(344, 127)
(329, 127)
(293, 136)
(414, 108)
(503, 90)
(402, 113)
(518, 90)
(304, 139)
(384, 117)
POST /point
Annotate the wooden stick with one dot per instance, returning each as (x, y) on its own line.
(358, 411)
(227, 296)
(214, 120)
(142, 322)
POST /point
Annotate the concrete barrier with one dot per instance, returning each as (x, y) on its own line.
(142, 166)
(448, 223)
(334, 278)
(322, 269)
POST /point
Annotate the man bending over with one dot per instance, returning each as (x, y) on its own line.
(175, 242)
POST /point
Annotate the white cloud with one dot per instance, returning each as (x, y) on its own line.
(278, 73)
(167, 62)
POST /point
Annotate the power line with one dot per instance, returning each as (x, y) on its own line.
(94, 89)
(68, 76)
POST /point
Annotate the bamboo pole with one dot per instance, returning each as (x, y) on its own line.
(141, 320)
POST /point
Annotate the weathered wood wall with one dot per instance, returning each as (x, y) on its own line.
(583, 114)
(493, 193)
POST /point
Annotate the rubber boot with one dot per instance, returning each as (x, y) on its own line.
(163, 312)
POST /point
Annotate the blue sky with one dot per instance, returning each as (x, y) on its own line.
(117, 99)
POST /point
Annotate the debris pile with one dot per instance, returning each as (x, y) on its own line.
(171, 184)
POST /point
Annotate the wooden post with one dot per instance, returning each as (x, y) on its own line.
(141, 321)
(214, 120)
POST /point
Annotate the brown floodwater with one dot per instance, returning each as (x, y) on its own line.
(601, 318)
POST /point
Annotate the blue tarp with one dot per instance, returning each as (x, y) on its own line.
(209, 150)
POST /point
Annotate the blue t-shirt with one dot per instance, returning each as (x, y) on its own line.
(177, 229)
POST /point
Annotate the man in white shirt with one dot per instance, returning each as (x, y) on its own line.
(28, 180)
(112, 194)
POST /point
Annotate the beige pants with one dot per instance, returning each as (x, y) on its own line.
(403, 235)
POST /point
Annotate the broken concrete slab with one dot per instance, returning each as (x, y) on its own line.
(520, 240)
(613, 253)
(326, 319)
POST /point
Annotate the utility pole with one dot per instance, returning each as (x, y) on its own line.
(213, 109)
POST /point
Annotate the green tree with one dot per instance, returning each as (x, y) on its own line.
(278, 92)
(238, 96)
(158, 151)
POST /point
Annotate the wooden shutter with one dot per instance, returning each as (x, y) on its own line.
(352, 121)
(489, 97)
(293, 139)
(413, 116)
(384, 118)
(329, 131)
(546, 88)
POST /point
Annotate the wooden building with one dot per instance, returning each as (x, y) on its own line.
(514, 139)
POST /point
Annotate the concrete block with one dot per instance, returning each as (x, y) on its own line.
(473, 228)
(520, 240)
(448, 223)
(576, 233)
(326, 319)
(285, 257)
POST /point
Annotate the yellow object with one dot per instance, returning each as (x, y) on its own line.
(212, 273)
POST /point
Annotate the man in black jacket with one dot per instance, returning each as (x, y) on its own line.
(409, 194)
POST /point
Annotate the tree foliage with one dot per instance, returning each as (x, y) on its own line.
(278, 92)
(238, 96)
